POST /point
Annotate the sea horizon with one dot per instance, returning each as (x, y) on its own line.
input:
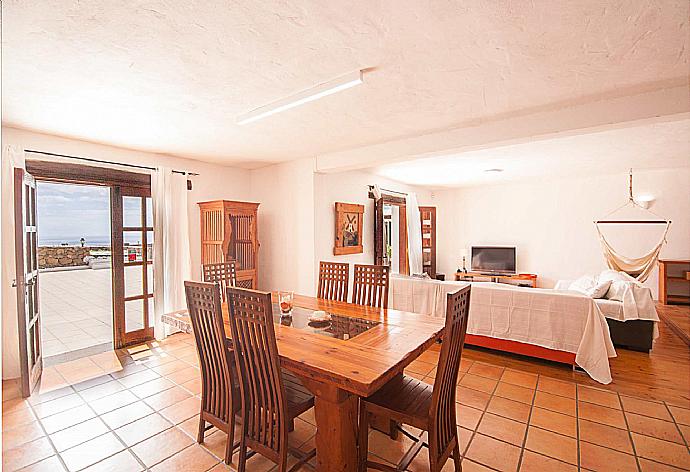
(75, 241)
(88, 241)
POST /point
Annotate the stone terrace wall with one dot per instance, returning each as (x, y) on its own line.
(65, 256)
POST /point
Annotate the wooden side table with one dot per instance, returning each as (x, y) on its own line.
(529, 280)
(674, 281)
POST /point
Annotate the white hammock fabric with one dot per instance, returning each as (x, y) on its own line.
(638, 267)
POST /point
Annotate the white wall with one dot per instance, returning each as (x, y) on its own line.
(213, 182)
(351, 187)
(550, 221)
(286, 225)
(297, 220)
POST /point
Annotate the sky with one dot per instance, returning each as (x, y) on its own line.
(68, 212)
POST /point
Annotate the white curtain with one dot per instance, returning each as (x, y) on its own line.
(414, 234)
(12, 156)
(172, 260)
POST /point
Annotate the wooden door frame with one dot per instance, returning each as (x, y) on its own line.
(121, 338)
(117, 254)
(403, 257)
(68, 173)
(29, 374)
(80, 174)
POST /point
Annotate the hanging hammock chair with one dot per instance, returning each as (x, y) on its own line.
(638, 267)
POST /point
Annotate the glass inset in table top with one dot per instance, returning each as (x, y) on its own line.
(340, 327)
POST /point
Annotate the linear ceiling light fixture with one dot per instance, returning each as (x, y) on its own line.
(319, 91)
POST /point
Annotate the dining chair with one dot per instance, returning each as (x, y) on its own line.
(221, 273)
(333, 280)
(271, 397)
(220, 393)
(410, 401)
(370, 286)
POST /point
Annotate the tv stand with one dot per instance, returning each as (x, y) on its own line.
(523, 280)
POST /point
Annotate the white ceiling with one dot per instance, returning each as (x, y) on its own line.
(172, 76)
(652, 146)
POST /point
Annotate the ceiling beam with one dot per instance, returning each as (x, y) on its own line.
(594, 114)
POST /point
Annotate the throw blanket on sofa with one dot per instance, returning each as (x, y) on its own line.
(562, 321)
(638, 303)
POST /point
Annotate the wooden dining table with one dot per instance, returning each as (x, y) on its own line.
(360, 350)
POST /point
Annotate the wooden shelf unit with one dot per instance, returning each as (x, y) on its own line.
(428, 217)
(674, 281)
(229, 231)
(529, 280)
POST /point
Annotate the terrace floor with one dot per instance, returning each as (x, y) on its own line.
(76, 308)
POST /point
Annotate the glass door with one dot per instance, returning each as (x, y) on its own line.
(26, 250)
(132, 261)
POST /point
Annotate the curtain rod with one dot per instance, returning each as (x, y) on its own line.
(633, 222)
(371, 187)
(87, 159)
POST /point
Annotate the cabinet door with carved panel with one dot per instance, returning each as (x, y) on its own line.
(212, 232)
(229, 231)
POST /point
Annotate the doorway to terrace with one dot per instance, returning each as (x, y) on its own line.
(74, 260)
(94, 258)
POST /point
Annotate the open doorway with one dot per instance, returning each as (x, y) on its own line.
(74, 258)
(95, 228)
(390, 233)
(91, 280)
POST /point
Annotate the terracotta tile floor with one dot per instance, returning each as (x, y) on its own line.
(134, 412)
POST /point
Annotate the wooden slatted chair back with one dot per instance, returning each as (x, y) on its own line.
(370, 286)
(264, 404)
(215, 360)
(222, 273)
(442, 429)
(333, 280)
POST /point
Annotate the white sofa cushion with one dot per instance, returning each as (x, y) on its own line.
(620, 282)
(583, 283)
(615, 276)
(600, 289)
(590, 286)
(617, 290)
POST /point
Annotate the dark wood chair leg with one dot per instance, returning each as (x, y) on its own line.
(412, 452)
(202, 429)
(393, 430)
(230, 446)
(456, 456)
(282, 465)
(302, 458)
(242, 461)
(363, 442)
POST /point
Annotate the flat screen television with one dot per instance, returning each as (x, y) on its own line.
(493, 259)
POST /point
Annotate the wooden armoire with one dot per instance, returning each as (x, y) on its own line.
(229, 231)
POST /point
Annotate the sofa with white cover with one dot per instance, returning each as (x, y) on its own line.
(627, 305)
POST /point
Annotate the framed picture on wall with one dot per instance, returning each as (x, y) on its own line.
(348, 228)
